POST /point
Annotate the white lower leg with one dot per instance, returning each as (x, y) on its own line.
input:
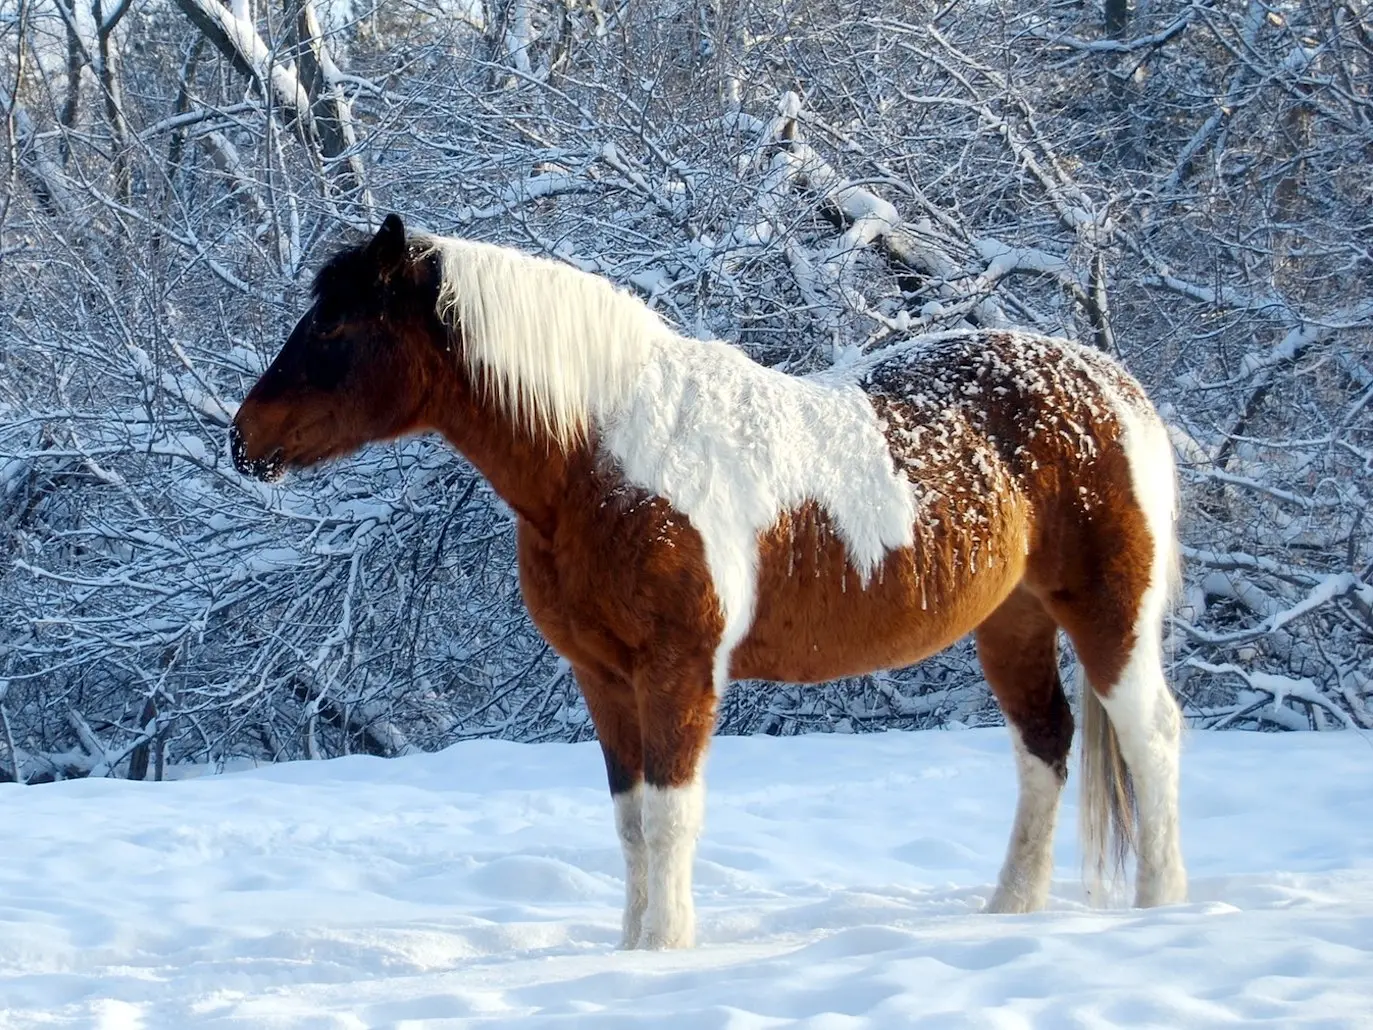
(629, 822)
(1149, 726)
(672, 818)
(1140, 706)
(1024, 882)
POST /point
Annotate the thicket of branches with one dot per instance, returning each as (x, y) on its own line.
(1186, 185)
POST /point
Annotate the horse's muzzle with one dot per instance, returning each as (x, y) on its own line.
(269, 468)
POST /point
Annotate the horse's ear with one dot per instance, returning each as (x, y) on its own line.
(387, 249)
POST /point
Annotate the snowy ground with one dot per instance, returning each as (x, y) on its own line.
(839, 883)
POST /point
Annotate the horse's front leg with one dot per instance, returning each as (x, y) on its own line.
(610, 700)
(677, 715)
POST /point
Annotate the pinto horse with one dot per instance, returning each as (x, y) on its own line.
(686, 517)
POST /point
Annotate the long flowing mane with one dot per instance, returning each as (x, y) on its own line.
(559, 347)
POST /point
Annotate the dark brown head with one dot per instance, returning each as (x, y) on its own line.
(358, 367)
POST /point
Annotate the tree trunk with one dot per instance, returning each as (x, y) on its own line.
(1117, 18)
(332, 117)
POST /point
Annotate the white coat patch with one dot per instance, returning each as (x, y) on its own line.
(734, 445)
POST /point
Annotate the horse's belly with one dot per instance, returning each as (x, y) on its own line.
(816, 657)
(820, 622)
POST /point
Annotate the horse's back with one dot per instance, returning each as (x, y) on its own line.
(1038, 420)
(1001, 410)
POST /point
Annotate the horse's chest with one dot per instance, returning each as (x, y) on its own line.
(612, 580)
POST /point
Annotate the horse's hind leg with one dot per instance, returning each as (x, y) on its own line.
(1144, 729)
(1114, 613)
(610, 700)
(1018, 647)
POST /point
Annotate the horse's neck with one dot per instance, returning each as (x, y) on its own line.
(527, 469)
(709, 385)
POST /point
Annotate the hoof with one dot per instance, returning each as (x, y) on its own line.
(1004, 903)
(665, 942)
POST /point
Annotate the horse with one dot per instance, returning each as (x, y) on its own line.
(686, 517)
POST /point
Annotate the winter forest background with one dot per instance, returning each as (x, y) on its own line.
(1185, 184)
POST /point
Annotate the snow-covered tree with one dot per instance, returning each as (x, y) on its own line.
(1186, 185)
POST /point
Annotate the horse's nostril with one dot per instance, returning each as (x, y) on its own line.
(238, 451)
(270, 467)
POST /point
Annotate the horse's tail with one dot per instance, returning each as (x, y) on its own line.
(1108, 812)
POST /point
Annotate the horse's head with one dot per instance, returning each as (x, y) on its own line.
(357, 367)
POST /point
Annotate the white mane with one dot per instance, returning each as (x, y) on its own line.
(560, 347)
